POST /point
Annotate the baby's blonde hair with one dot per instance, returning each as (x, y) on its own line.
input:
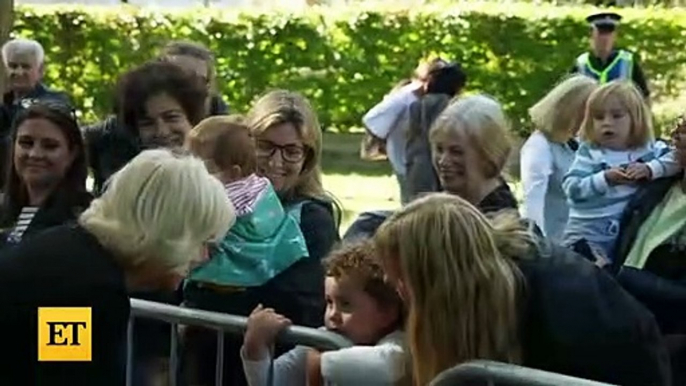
(631, 98)
(463, 291)
(559, 114)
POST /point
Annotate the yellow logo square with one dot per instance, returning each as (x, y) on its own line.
(64, 334)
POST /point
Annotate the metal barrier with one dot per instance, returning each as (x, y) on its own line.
(223, 324)
(501, 374)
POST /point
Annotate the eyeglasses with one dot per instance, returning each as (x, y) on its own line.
(289, 153)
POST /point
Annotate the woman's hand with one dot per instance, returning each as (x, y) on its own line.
(263, 326)
(638, 171)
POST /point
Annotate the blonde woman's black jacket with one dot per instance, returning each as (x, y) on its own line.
(661, 284)
(576, 319)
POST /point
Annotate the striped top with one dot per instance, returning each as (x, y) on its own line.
(589, 194)
(244, 193)
(23, 221)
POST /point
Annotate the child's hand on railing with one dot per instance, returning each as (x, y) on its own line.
(263, 326)
(314, 368)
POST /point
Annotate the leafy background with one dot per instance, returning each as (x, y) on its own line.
(346, 59)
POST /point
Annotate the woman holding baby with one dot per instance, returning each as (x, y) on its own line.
(286, 136)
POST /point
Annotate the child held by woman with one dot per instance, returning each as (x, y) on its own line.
(618, 152)
(265, 239)
(361, 306)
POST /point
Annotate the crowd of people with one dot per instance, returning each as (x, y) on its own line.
(201, 208)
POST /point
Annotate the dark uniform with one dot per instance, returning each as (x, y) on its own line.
(621, 64)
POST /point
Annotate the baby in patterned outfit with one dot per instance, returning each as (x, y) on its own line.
(265, 239)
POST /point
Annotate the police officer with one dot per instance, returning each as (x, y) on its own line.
(604, 62)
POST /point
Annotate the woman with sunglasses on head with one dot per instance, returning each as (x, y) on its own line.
(46, 173)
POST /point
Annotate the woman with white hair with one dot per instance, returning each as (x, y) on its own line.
(145, 232)
(470, 146)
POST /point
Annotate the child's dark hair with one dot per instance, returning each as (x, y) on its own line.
(357, 260)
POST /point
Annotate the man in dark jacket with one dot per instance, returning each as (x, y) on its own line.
(23, 61)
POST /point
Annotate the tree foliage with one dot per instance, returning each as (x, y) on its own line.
(345, 60)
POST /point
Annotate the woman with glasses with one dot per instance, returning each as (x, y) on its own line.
(289, 144)
(46, 174)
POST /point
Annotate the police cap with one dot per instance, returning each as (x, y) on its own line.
(604, 21)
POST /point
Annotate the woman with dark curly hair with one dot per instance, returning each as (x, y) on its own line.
(156, 104)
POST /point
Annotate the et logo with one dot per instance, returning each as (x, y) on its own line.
(64, 334)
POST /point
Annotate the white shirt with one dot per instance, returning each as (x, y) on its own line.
(379, 365)
(384, 121)
(536, 166)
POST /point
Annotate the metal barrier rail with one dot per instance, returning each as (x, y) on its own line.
(502, 374)
(223, 324)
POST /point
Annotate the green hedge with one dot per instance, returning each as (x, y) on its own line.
(345, 60)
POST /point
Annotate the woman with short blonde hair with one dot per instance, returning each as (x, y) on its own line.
(470, 143)
(548, 153)
(145, 233)
(159, 211)
(480, 289)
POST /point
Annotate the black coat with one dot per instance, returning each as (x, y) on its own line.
(61, 208)
(661, 284)
(576, 319)
(62, 267)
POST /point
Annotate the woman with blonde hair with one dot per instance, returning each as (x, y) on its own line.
(288, 143)
(151, 225)
(549, 152)
(480, 289)
(470, 146)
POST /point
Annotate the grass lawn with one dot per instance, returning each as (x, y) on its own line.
(360, 185)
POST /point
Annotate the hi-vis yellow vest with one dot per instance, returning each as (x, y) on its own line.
(620, 68)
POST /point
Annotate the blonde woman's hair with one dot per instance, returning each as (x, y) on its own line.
(482, 120)
(160, 209)
(559, 114)
(451, 263)
(279, 107)
(631, 98)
